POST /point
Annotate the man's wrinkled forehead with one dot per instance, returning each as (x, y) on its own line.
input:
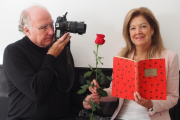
(37, 14)
(36, 11)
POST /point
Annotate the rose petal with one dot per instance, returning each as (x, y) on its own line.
(101, 35)
(100, 39)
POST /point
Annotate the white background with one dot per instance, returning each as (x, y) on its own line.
(101, 16)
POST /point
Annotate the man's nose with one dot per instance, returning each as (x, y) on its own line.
(51, 30)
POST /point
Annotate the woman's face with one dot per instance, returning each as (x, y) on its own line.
(140, 32)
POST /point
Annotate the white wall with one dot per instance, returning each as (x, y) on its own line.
(101, 16)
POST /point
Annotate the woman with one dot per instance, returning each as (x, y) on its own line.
(143, 41)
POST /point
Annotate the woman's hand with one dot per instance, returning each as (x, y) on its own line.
(96, 86)
(141, 101)
(95, 98)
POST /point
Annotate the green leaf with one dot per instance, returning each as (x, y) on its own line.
(96, 105)
(102, 80)
(99, 71)
(90, 67)
(95, 53)
(101, 92)
(92, 85)
(87, 74)
(100, 58)
(82, 91)
(84, 86)
(92, 101)
(98, 76)
(100, 62)
(92, 107)
(102, 74)
(88, 82)
(109, 78)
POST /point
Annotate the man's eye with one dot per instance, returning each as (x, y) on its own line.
(52, 25)
(43, 28)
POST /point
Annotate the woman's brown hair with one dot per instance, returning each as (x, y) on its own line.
(156, 44)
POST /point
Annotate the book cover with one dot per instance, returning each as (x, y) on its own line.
(148, 77)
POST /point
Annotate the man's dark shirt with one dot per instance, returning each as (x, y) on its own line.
(33, 86)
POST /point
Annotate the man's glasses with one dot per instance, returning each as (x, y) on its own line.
(44, 27)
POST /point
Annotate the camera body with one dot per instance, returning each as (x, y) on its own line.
(62, 26)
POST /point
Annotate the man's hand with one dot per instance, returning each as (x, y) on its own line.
(141, 101)
(95, 98)
(58, 46)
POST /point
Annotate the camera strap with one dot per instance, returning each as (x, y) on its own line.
(70, 67)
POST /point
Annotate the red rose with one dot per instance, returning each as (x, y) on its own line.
(100, 39)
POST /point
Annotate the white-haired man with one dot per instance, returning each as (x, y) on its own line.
(39, 77)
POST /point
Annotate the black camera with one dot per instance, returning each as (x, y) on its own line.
(62, 26)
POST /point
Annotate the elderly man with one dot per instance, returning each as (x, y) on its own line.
(41, 81)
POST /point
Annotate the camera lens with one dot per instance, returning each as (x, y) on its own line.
(76, 27)
(81, 28)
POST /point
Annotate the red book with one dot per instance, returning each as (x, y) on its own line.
(148, 77)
